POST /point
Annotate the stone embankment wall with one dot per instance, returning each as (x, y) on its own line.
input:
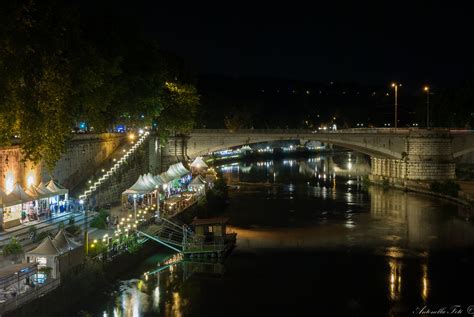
(84, 153)
(174, 150)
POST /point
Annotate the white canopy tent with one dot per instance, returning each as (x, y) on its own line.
(177, 171)
(20, 193)
(198, 163)
(145, 185)
(55, 202)
(59, 253)
(56, 188)
(9, 200)
(63, 243)
(165, 177)
(46, 255)
(11, 206)
(141, 187)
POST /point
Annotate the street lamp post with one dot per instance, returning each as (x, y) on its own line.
(86, 233)
(395, 86)
(157, 202)
(135, 206)
(427, 89)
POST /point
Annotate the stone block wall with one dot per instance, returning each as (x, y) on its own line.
(428, 157)
(175, 150)
(83, 154)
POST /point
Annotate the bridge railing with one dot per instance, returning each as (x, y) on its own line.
(306, 131)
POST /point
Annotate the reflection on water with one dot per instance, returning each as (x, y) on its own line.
(395, 278)
(312, 239)
(159, 291)
(424, 292)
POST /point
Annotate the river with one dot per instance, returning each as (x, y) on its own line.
(312, 240)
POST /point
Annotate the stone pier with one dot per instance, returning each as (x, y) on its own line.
(427, 157)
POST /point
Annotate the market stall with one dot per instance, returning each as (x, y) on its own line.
(60, 254)
(138, 193)
(10, 210)
(46, 255)
(16, 207)
(41, 195)
(176, 179)
(58, 202)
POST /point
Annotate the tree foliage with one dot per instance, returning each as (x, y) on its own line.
(57, 68)
(13, 247)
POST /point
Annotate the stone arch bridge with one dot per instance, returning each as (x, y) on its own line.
(396, 154)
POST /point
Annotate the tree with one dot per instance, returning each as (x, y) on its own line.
(179, 103)
(56, 70)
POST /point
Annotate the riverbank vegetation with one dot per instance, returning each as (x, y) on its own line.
(100, 221)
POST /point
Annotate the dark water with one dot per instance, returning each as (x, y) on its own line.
(312, 241)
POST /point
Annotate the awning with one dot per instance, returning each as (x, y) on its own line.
(56, 188)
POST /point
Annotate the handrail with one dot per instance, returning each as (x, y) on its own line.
(115, 166)
(159, 241)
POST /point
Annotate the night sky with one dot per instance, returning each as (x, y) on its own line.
(367, 43)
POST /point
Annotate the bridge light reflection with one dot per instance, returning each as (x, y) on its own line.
(425, 286)
(395, 279)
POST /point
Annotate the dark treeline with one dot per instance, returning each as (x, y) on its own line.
(269, 103)
(59, 66)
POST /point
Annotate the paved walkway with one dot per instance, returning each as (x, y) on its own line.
(22, 231)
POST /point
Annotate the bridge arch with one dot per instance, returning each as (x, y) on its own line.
(380, 146)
